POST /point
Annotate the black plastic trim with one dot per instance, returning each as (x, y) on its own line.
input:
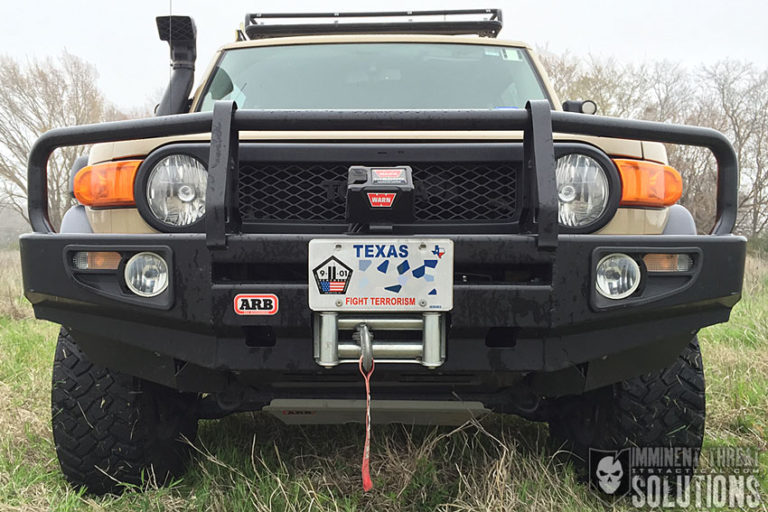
(117, 290)
(641, 296)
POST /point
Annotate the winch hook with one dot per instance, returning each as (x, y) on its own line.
(364, 337)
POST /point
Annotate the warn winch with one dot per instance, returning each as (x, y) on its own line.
(379, 195)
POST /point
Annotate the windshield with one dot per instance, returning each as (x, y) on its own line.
(370, 76)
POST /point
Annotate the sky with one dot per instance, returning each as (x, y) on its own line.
(120, 38)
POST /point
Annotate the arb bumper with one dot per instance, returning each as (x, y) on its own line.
(525, 308)
(541, 314)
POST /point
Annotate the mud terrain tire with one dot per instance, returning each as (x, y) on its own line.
(111, 428)
(663, 408)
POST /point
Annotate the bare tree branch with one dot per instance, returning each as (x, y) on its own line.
(34, 98)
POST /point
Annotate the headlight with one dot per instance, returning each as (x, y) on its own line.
(582, 190)
(146, 274)
(617, 276)
(176, 190)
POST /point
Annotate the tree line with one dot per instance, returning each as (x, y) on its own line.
(730, 96)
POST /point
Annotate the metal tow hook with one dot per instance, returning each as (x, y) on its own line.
(364, 336)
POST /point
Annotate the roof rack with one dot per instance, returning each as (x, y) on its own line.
(488, 25)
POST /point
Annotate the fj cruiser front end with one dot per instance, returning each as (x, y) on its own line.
(399, 192)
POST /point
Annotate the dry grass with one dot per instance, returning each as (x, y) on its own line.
(474, 467)
(253, 462)
(736, 359)
(12, 302)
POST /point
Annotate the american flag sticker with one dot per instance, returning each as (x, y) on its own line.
(332, 286)
(332, 276)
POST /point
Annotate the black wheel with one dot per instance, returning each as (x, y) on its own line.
(663, 408)
(110, 428)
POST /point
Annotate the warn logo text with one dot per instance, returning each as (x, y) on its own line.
(381, 199)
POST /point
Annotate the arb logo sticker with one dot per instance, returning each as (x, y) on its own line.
(381, 199)
(256, 304)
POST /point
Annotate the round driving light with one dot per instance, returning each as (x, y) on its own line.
(582, 190)
(618, 276)
(146, 274)
(176, 190)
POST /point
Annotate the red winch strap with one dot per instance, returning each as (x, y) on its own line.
(366, 469)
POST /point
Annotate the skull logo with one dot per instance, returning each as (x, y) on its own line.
(609, 473)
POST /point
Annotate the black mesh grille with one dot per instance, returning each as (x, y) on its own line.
(464, 192)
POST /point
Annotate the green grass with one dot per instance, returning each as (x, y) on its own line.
(253, 462)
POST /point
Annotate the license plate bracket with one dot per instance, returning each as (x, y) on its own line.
(381, 275)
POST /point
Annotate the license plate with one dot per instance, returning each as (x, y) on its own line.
(380, 275)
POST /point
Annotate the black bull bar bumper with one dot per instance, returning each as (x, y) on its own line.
(551, 324)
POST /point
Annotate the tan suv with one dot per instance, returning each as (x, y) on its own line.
(393, 187)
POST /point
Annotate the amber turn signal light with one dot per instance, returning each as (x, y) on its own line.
(645, 183)
(107, 184)
(656, 262)
(96, 260)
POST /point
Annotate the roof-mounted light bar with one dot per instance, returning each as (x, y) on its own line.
(481, 22)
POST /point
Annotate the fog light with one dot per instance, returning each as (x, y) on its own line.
(146, 274)
(618, 276)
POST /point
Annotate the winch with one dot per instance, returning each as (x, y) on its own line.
(380, 195)
(425, 345)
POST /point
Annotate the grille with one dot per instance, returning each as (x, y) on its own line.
(465, 192)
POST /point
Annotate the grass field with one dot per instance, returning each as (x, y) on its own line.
(502, 463)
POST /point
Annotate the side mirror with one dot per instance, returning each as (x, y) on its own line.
(580, 106)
